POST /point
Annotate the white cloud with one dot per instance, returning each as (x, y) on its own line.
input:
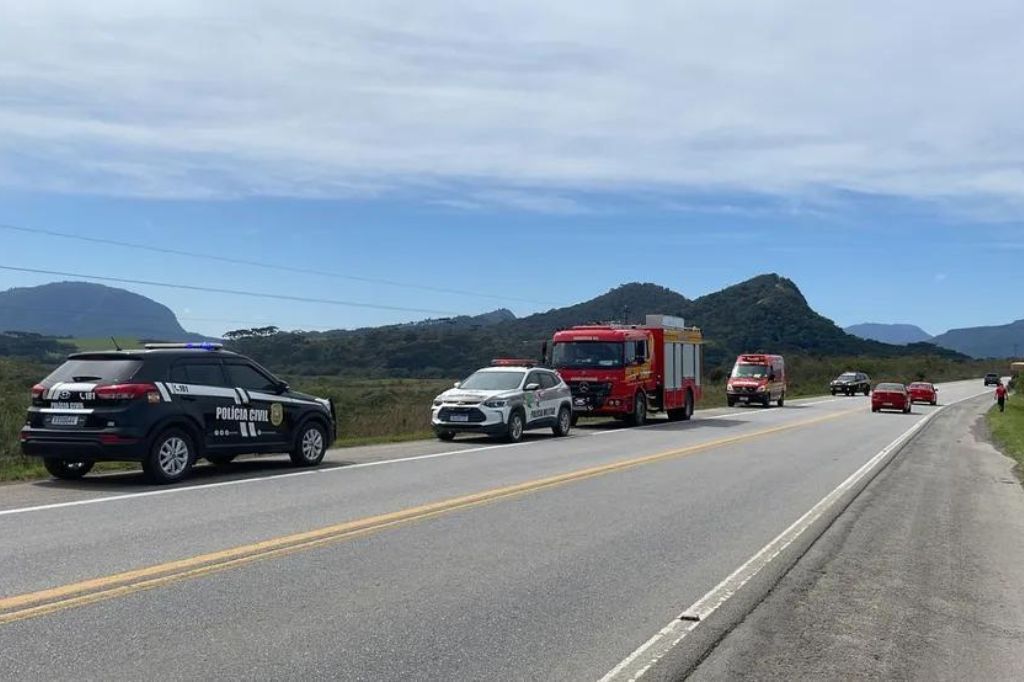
(516, 104)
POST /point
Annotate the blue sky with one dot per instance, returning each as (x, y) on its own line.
(537, 152)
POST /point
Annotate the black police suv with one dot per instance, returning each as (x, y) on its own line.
(851, 383)
(165, 407)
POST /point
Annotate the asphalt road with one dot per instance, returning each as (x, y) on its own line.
(551, 559)
(920, 579)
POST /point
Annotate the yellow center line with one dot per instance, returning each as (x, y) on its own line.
(33, 604)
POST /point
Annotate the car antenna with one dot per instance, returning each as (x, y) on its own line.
(118, 347)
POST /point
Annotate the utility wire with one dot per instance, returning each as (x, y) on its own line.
(110, 315)
(269, 266)
(235, 292)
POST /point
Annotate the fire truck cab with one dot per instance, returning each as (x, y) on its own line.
(629, 371)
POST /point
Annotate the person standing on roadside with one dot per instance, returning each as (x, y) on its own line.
(1001, 396)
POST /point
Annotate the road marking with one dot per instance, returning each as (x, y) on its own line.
(331, 470)
(638, 663)
(40, 603)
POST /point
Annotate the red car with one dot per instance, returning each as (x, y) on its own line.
(923, 392)
(891, 397)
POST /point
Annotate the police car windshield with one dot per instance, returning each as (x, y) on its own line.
(750, 371)
(848, 375)
(587, 355)
(93, 371)
(493, 381)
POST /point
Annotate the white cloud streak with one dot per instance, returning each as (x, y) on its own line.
(513, 104)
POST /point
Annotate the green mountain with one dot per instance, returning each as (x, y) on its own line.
(765, 313)
(86, 310)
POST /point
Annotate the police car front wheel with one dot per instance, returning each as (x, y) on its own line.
(564, 423)
(66, 469)
(310, 446)
(171, 457)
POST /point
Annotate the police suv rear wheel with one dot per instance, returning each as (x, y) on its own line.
(170, 458)
(67, 469)
(310, 446)
(563, 426)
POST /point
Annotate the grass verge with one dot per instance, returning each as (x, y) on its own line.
(1007, 430)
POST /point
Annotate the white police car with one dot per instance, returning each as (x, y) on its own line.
(505, 400)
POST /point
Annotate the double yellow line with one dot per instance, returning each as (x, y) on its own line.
(44, 602)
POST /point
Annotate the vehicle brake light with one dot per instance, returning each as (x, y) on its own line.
(129, 392)
(37, 391)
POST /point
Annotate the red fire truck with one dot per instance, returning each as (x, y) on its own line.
(629, 371)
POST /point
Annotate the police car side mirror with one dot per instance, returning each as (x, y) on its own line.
(531, 387)
(281, 387)
(457, 384)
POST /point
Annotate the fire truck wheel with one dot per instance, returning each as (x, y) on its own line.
(563, 425)
(688, 407)
(782, 399)
(639, 416)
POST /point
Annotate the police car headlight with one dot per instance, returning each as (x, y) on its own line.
(496, 403)
(762, 389)
(728, 387)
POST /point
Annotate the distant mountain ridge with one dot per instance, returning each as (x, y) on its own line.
(999, 341)
(87, 310)
(899, 334)
(764, 313)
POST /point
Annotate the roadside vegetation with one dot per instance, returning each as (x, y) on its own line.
(1008, 428)
(382, 410)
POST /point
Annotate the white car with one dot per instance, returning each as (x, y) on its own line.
(504, 400)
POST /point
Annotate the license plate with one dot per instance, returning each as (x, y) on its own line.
(459, 418)
(745, 399)
(64, 420)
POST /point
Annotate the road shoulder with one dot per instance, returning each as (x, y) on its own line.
(920, 578)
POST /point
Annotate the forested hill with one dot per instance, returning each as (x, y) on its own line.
(765, 313)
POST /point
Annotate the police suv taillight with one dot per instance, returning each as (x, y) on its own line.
(148, 392)
(37, 392)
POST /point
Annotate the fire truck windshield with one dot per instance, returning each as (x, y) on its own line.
(750, 371)
(587, 355)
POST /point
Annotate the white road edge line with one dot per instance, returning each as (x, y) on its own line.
(654, 649)
(329, 470)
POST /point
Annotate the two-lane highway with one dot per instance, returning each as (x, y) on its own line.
(551, 559)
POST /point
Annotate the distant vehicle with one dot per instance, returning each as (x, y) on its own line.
(757, 378)
(165, 407)
(923, 392)
(891, 397)
(629, 371)
(851, 383)
(992, 379)
(504, 400)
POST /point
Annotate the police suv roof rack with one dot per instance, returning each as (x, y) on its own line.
(203, 345)
(513, 362)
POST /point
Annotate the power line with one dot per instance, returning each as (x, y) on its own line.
(269, 266)
(111, 316)
(234, 292)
